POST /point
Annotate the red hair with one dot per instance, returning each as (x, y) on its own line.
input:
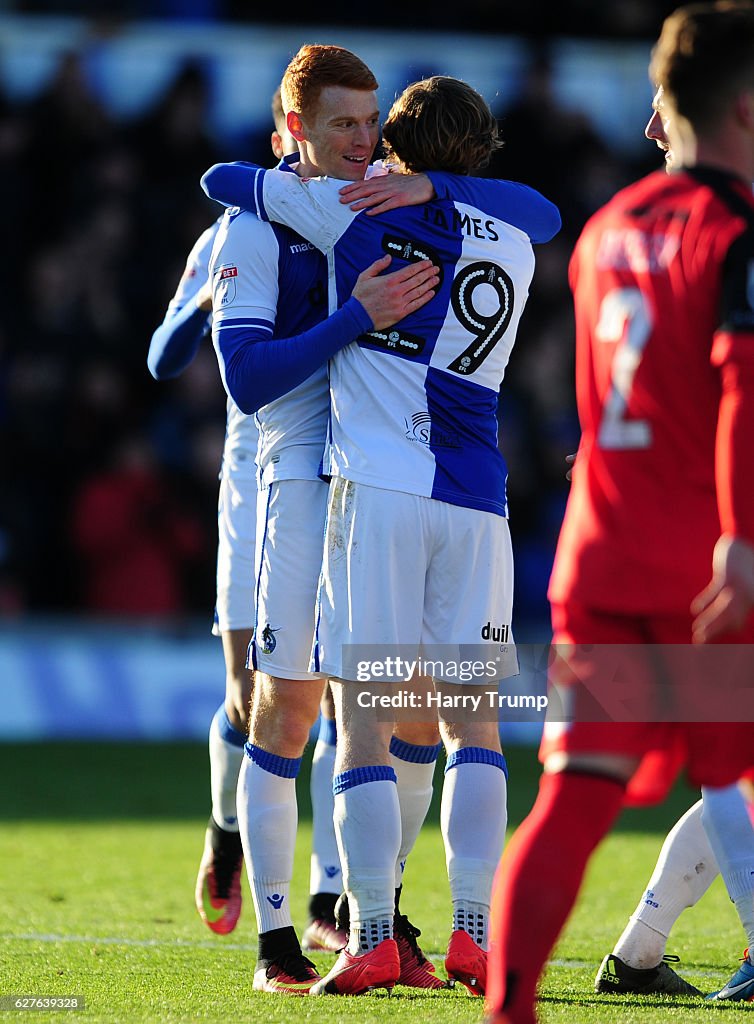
(314, 68)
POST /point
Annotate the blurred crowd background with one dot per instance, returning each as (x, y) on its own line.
(108, 479)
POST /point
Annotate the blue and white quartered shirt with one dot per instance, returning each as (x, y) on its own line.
(176, 341)
(414, 408)
(270, 283)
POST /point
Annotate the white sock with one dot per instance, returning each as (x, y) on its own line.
(268, 816)
(473, 816)
(325, 874)
(367, 824)
(414, 767)
(684, 871)
(726, 818)
(225, 757)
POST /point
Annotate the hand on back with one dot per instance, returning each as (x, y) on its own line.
(388, 192)
(388, 298)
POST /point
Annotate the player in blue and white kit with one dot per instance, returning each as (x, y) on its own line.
(173, 346)
(270, 282)
(218, 890)
(417, 549)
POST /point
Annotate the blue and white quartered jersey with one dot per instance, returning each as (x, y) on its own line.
(414, 408)
(195, 272)
(270, 279)
(241, 434)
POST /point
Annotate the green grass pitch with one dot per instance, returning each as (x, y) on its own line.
(99, 846)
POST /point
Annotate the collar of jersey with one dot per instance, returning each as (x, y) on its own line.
(286, 164)
(712, 176)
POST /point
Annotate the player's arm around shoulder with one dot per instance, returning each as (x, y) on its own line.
(386, 191)
(510, 201)
(310, 206)
(231, 184)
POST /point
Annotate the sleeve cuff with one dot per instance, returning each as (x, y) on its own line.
(358, 315)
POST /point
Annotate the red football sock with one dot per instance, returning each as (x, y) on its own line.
(538, 880)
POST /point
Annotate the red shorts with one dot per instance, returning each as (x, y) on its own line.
(713, 753)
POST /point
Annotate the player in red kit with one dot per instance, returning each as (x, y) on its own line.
(687, 863)
(664, 298)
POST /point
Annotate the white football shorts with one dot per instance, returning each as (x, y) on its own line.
(236, 527)
(290, 531)
(410, 575)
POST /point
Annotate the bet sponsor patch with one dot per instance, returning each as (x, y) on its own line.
(225, 285)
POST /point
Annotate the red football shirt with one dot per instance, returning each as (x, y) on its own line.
(663, 284)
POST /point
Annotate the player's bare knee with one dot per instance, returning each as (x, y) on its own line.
(469, 733)
(293, 732)
(284, 712)
(421, 734)
(364, 736)
(280, 730)
(360, 751)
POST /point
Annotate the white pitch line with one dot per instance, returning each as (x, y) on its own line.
(245, 947)
(112, 940)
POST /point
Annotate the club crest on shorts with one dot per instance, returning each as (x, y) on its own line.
(267, 642)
